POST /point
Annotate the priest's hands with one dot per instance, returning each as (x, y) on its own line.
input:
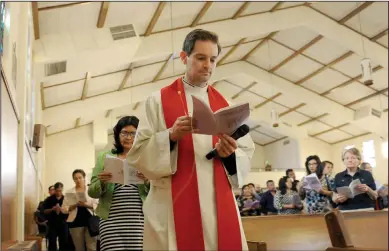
(226, 146)
(181, 127)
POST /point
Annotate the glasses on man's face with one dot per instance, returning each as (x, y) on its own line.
(127, 134)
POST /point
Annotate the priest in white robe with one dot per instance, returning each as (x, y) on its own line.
(190, 205)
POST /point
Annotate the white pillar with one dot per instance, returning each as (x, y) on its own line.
(100, 133)
(21, 43)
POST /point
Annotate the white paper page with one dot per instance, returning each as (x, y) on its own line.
(353, 187)
(115, 166)
(378, 186)
(81, 196)
(230, 118)
(71, 198)
(346, 191)
(313, 182)
(130, 175)
(203, 117)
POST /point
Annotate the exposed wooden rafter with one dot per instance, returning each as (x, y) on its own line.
(296, 53)
(42, 90)
(135, 106)
(344, 56)
(355, 12)
(162, 68)
(221, 61)
(243, 90)
(268, 100)
(66, 130)
(367, 97)
(102, 14)
(242, 8)
(313, 119)
(155, 18)
(271, 35)
(62, 6)
(349, 81)
(125, 78)
(85, 88)
(35, 19)
(330, 130)
(379, 35)
(108, 113)
(202, 12)
(77, 124)
(291, 109)
(354, 137)
(276, 6)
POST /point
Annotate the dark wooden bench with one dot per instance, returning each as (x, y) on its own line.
(357, 230)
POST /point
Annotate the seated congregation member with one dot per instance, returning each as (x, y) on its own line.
(120, 206)
(267, 199)
(351, 159)
(316, 201)
(255, 190)
(247, 203)
(290, 173)
(57, 227)
(287, 200)
(79, 213)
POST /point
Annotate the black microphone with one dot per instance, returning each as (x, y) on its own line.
(240, 132)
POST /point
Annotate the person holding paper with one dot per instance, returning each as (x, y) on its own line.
(191, 205)
(366, 194)
(120, 206)
(248, 203)
(287, 200)
(80, 208)
(317, 200)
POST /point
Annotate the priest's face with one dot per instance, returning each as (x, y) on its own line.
(201, 62)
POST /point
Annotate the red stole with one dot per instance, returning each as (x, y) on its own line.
(185, 193)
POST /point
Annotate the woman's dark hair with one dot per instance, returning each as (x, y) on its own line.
(319, 168)
(199, 34)
(78, 171)
(282, 184)
(123, 122)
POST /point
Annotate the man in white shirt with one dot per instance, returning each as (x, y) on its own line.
(191, 205)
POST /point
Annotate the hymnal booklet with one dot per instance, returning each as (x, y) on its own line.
(225, 120)
(122, 172)
(351, 191)
(312, 182)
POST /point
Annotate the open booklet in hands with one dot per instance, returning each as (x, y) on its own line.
(122, 172)
(312, 182)
(74, 198)
(350, 191)
(225, 120)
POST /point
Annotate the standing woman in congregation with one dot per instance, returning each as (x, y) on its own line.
(120, 206)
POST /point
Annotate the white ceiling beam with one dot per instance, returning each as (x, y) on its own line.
(169, 42)
(98, 104)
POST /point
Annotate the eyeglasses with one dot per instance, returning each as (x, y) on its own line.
(127, 134)
(312, 164)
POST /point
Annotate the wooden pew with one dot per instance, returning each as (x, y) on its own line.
(256, 246)
(309, 232)
(288, 232)
(357, 230)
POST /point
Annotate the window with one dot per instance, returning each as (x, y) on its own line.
(385, 149)
(368, 152)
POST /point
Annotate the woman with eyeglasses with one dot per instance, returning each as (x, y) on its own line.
(317, 201)
(120, 206)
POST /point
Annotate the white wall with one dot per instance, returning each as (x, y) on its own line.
(67, 151)
(380, 172)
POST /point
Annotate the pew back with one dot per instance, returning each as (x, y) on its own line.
(367, 229)
(288, 232)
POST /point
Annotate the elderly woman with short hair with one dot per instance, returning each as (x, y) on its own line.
(366, 199)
